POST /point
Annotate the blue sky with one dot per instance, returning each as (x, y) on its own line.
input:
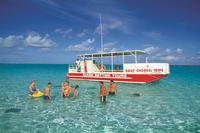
(56, 31)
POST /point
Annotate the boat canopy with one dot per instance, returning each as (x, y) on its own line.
(114, 53)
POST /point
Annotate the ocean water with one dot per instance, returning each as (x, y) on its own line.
(170, 105)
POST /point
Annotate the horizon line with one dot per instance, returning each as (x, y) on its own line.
(73, 63)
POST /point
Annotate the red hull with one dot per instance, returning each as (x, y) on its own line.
(125, 78)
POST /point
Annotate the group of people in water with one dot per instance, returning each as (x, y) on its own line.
(67, 90)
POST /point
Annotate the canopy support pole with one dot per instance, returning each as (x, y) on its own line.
(146, 59)
(101, 60)
(123, 60)
(112, 61)
(135, 57)
(123, 57)
(102, 47)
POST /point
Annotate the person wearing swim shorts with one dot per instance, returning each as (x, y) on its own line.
(112, 89)
(103, 92)
(47, 91)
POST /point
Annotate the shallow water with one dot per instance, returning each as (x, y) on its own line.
(170, 105)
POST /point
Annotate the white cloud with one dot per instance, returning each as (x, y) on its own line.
(110, 24)
(64, 33)
(83, 33)
(83, 46)
(152, 34)
(110, 46)
(37, 41)
(152, 49)
(32, 40)
(179, 50)
(167, 54)
(20, 48)
(168, 50)
(11, 41)
(195, 59)
(170, 58)
(51, 3)
(115, 24)
(197, 56)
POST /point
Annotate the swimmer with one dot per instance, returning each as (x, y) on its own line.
(76, 90)
(47, 91)
(66, 89)
(112, 88)
(32, 88)
(103, 92)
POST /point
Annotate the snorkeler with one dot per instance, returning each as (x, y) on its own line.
(76, 90)
(32, 88)
(47, 91)
(112, 88)
(66, 89)
(103, 92)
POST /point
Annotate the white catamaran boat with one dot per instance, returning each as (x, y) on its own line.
(86, 67)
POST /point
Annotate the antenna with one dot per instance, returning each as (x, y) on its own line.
(101, 27)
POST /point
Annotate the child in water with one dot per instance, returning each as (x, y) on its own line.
(66, 89)
(103, 92)
(47, 91)
(112, 89)
(76, 90)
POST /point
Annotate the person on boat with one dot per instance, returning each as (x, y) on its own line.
(32, 88)
(85, 66)
(47, 91)
(103, 92)
(76, 90)
(102, 68)
(78, 64)
(112, 89)
(66, 89)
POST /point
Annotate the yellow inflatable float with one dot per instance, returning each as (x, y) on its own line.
(37, 94)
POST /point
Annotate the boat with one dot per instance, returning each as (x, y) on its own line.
(86, 67)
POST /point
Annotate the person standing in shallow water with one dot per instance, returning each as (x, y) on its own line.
(112, 88)
(103, 92)
(76, 90)
(47, 92)
(66, 89)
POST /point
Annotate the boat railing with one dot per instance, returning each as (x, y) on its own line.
(72, 66)
(113, 71)
(108, 68)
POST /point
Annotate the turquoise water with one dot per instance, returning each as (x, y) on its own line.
(171, 105)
